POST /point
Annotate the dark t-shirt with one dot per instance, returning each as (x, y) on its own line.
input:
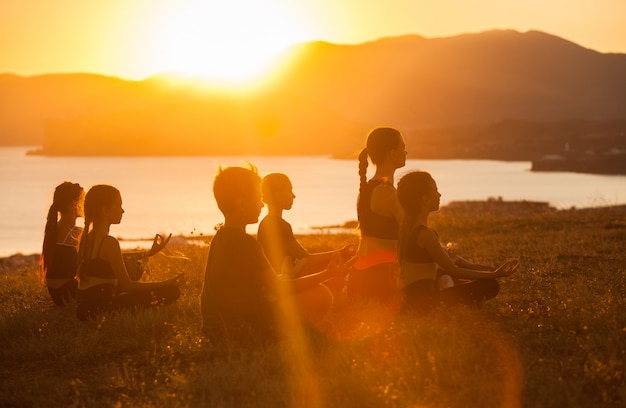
(274, 234)
(240, 287)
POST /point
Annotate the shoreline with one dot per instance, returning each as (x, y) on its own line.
(496, 206)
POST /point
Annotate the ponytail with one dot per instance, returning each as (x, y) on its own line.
(49, 241)
(65, 195)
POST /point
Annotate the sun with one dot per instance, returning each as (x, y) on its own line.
(227, 42)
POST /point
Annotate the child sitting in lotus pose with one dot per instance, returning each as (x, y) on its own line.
(104, 284)
(59, 255)
(421, 255)
(275, 235)
(241, 291)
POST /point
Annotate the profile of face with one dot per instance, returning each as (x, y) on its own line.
(284, 195)
(114, 211)
(398, 155)
(251, 205)
(432, 197)
(277, 191)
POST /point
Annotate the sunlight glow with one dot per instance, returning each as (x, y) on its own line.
(226, 42)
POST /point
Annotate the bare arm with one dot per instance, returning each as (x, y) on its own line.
(318, 261)
(428, 239)
(464, 263)
(113, 254)
(385, 202)
(336, 267)
(296, 250)
(157, 245)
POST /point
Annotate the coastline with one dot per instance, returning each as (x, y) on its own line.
(493, 207)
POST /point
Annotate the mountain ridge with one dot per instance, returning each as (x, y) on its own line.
(327, 101)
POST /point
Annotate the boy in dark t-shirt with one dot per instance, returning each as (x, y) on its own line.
(241, 289)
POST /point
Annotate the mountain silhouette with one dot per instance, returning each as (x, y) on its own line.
(497, 94)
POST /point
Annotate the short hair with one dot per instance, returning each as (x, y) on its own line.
(234, 182)
(272, 183)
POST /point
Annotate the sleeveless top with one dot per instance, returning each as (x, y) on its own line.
(372, 224)
(65, 261)
(416, 263)
(96, 271)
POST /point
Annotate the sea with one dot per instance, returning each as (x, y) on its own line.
(174, 194)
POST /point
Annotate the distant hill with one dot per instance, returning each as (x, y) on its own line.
(497, 94)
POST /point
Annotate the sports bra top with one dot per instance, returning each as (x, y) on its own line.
(98, 267)
(409, 250)
(372, 224)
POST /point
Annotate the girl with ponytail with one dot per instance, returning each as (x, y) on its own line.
(61, 238)
(103, 281)
(379, 215)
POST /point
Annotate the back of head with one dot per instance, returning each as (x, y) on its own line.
(380, 141)
(273, 183)
(232, 183)
(66, 195)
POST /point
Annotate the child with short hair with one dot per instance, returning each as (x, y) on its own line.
(241, 290)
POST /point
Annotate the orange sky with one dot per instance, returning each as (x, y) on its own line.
(234, 39)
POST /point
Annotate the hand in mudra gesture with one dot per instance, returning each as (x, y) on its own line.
(158, 244)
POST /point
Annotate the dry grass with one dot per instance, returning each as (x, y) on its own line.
(554, 337)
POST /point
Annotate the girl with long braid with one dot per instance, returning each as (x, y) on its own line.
(379, 215)
(59, 255)
(424, 263)
(103, 281)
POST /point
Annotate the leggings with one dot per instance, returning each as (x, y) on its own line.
(423, 296)
(103, 298)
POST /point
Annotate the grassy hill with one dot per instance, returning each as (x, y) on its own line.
(553, 337)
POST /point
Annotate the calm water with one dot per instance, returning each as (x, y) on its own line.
(173, 194)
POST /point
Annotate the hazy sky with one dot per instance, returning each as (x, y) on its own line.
(232, 38)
